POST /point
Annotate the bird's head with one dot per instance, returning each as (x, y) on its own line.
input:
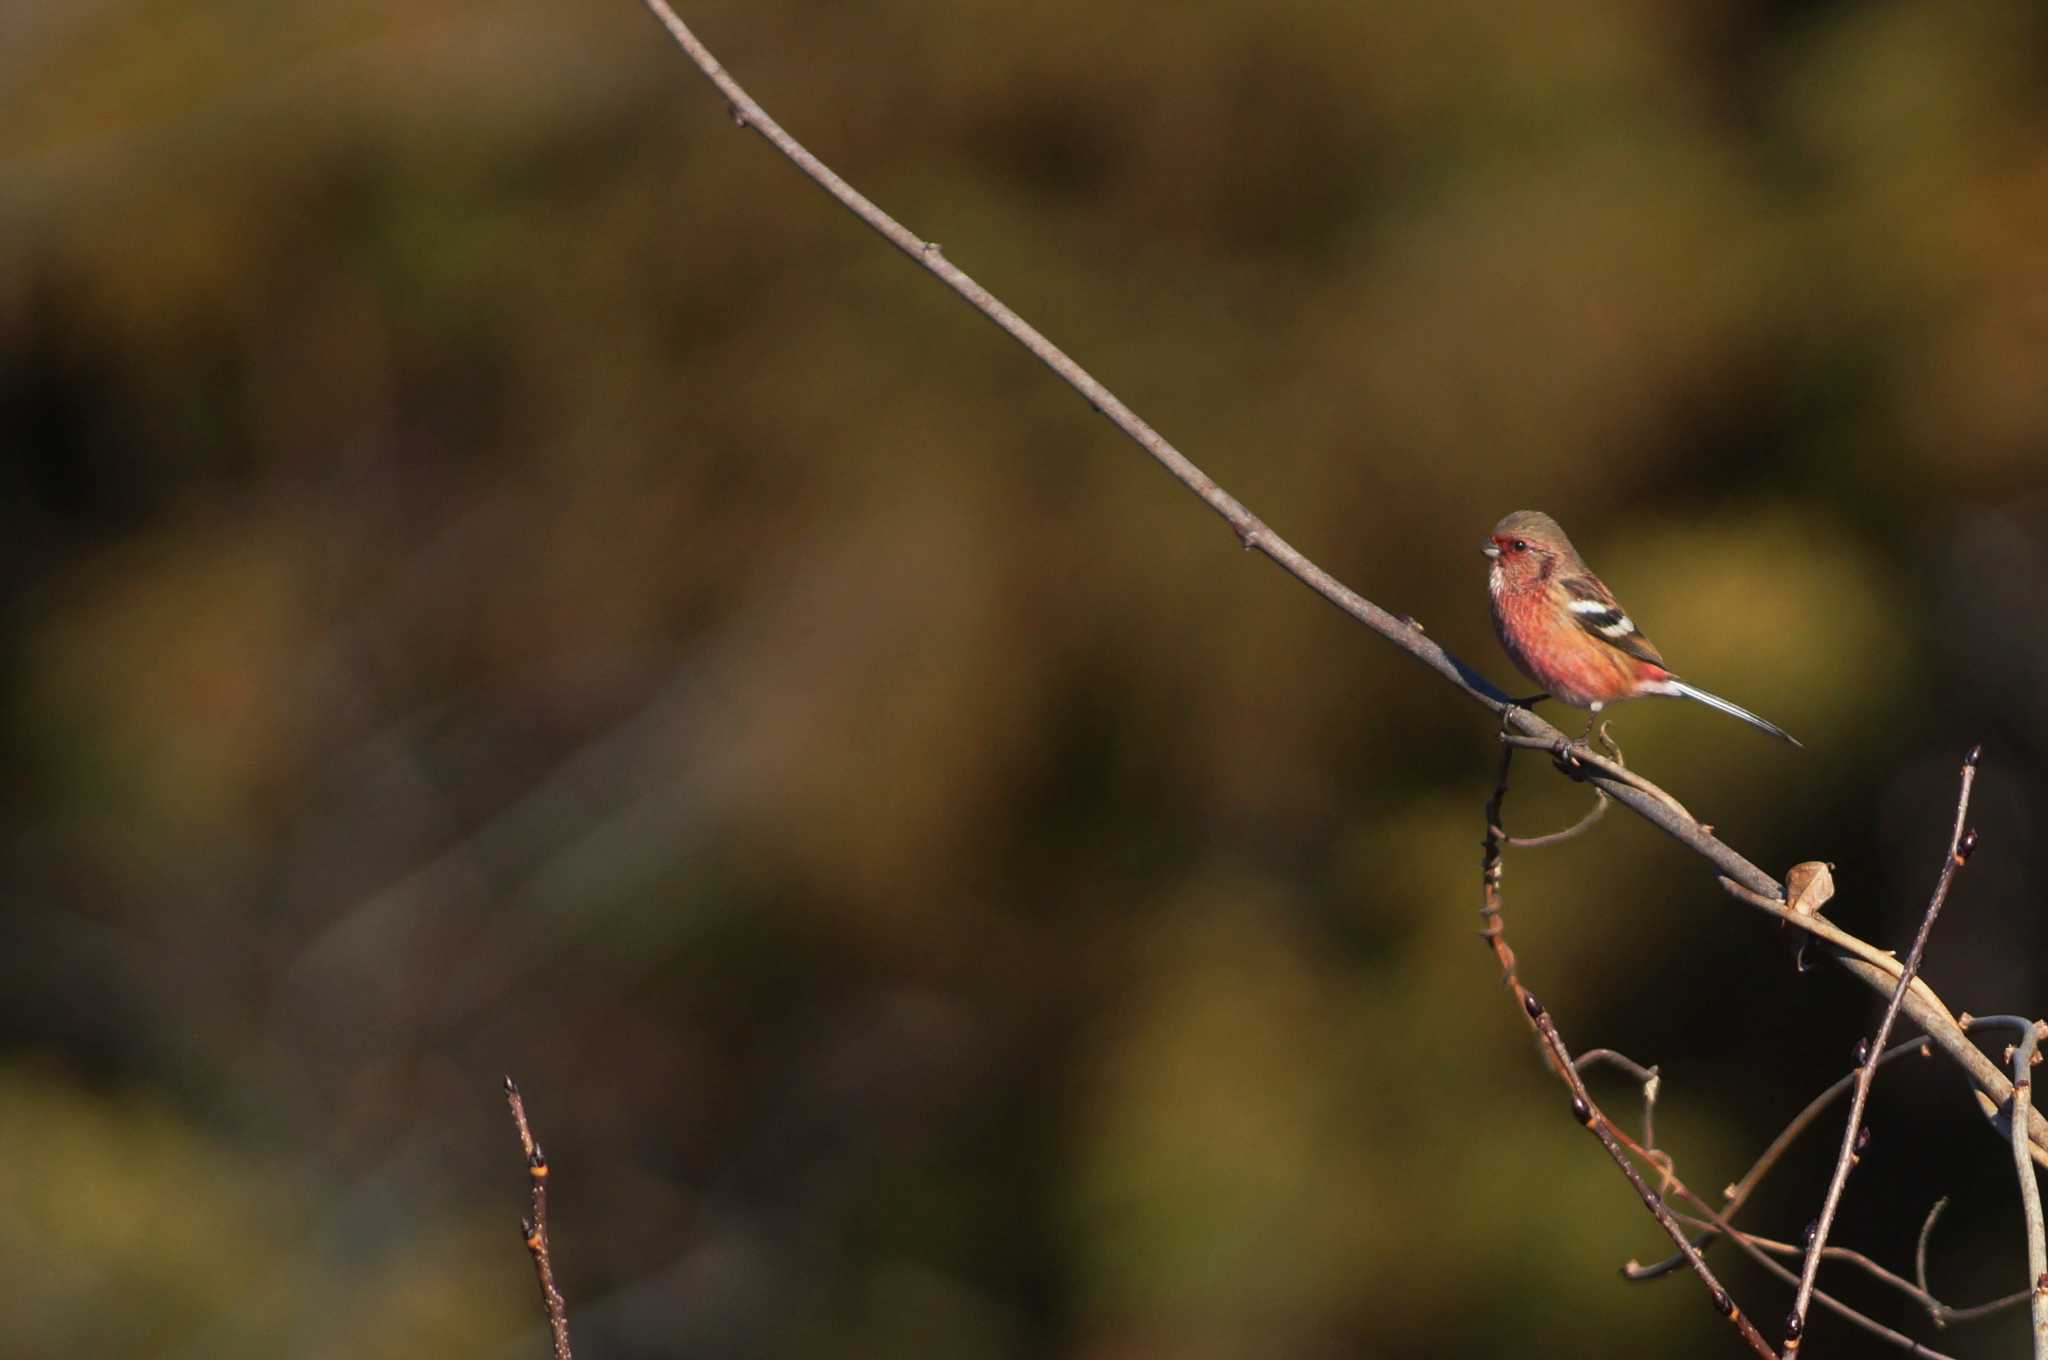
(1526, 549)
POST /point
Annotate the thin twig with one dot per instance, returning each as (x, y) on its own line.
(1937, 1311)
(1675, 1186)
(1916, 1292)
(1588, 1114)
(1961, 842)
(534, 1228)
(1645, 1077)
(1751, 1247)
(1738, 1193)
(1940, 1313)
(2030, 1190)
(1578, 828)
(1612, 1139)
(1494, 933)
(1920, 1257)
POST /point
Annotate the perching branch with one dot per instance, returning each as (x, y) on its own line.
(534, 1228)
(1743, 879)
(1640, 796)
(1252, 532)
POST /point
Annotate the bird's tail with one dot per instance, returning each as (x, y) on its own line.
(1679, 687)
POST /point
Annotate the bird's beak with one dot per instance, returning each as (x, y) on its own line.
(1491, 549)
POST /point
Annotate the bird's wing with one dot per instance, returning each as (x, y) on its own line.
(1593, 607)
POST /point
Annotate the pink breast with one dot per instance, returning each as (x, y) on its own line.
(1569, 664)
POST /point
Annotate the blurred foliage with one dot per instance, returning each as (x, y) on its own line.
(505, 577)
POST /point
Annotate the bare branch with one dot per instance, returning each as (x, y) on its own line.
(2030, 1188)
(1880, 971)
(1645, 1077)
(1578, 828)
(1738, 1193)
(1660, 810)
(1754, 1248)
(1920, 1257)
(1519, 726)
(1751, 1246)
(1640, 796)
(1961, 842)
(535, 1226)
(1561, 1060)
(1941, 1314)
(2023, 1058)
(1601, 1127)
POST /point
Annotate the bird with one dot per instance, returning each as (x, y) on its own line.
(1563, 628)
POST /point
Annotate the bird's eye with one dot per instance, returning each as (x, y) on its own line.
(1521, 546)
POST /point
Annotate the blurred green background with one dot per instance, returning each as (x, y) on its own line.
(504, 577)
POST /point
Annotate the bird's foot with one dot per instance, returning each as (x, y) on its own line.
(1596, 740)
(1607, 743)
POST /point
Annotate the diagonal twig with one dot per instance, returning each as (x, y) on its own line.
(534, 1228)
(1961, 842)
(1617, 1143)
(1253, 533)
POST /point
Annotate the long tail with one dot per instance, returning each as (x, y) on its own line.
(1679, 687)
